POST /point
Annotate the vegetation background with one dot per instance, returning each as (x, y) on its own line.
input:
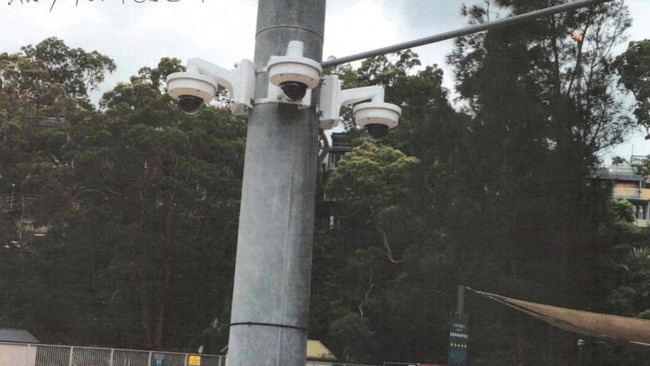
(118, 224)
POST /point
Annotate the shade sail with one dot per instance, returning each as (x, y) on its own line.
(612, 327)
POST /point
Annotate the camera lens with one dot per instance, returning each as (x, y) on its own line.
(189, 104)
(294, 90)
(377, 131)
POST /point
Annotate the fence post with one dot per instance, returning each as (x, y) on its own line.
(26, 355)
(110, 362)
(150, 355)
(71, 355)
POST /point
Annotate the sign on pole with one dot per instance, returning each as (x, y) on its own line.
(194, 360)
(458, 339)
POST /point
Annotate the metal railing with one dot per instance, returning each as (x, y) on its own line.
(327, 363)
(22, 354)
(13, 354)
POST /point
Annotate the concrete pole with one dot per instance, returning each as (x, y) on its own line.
(460, 301)
(270, 305)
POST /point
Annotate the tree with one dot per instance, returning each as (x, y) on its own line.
(622, 210)
(36, 114)
(78, 71)
(44, 89)
(383, 279)
(136, 203)
(633, 66)
(374, 180)
(160, 201)
(543, 105)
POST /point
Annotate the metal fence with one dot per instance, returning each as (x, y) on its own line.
(327, 363)
(12, 354)
(19, 354)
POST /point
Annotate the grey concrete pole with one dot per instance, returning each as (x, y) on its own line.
(273, 271)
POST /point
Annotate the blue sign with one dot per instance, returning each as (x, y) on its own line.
(158, 360)
(458, 339)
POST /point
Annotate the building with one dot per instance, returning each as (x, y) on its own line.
(628, 185)
(11, 335)
(15, 347)
(341, 144)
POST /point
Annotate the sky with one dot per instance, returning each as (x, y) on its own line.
(137, 33)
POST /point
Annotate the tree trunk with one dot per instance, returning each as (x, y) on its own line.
(165, 273)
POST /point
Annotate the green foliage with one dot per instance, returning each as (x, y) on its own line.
(622, 210)
(632, 296)
(633, 65)
(384, 270)
(131, 211)
(642, 168)
(122, 211)
(542, 107)
(372, 176)
(499, 200)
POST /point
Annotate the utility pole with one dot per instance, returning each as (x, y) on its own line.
(270, 307)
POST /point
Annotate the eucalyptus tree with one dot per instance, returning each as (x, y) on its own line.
(157, 220)
(633, 65)
(130, 211)
(43, 91)
(384, 268)
(544, 104)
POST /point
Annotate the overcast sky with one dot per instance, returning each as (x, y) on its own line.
(137, 33)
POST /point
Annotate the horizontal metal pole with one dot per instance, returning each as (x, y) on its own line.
(464, 31)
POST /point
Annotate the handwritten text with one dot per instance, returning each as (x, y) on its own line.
(77, 1)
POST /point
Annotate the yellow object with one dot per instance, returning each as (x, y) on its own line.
(194, 360)
(317, 351)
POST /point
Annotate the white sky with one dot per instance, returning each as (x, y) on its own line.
(137, 33)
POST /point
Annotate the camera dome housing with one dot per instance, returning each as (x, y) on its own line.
(370, 110)
(377, 118)
(189, 83)
(294, 90)
(189, 104)
(293, 73)
(202, 79)
(376, 131)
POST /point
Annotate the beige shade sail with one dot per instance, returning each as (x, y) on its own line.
(612, 327)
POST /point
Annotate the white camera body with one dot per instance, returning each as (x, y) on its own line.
(292, 77)
(376, 116)
(199, 83)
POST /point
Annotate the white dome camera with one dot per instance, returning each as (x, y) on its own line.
(293, 74)
(190, 90)
(375, 116)
(198, 85)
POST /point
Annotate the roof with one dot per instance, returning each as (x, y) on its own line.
(17, 336)
(620, 172)
(317, 351)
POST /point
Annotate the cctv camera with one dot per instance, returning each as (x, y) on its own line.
(199, 85)
(376, 131)
(189, 104)
(190, 90)
(377, 118)
(293, 73)
(294, 90)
